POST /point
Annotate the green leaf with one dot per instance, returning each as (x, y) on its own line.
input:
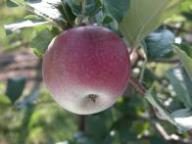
(180, 118)
(15, 88)
(33, 17)
(186, 59)
(149, 77)
(188, 15)
(159, 43)
(11, 4)
(110, 22)
(99, 125)
(188, 82)
(4, 100)
(83, 7)
(186, 5)
(122, 127)
(41, 41)
(143, 17)
(90, 7)
(183, 119)
(157, 140)
(152, 99)
(187, 48)
(175, 77)
(18, 2)
(66, 15)
(117, 8)
(3, 40)
(75, 5)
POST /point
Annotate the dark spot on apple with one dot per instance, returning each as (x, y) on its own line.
(92, 97)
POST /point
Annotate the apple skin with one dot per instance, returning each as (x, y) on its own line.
(86, 69)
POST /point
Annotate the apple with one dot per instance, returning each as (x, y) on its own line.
(86, 69)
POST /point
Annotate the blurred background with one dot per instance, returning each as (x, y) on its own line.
(29, 115)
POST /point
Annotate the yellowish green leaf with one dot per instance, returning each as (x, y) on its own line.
(143, 17)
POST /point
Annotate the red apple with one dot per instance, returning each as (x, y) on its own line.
(86, 69)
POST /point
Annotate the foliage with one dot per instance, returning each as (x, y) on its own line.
(157, 34)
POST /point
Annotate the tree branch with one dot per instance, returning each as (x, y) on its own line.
(139, 87)
(81, 124)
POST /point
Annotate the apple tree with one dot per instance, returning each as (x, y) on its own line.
(121, 69)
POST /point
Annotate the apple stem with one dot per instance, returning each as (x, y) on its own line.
(138, 86)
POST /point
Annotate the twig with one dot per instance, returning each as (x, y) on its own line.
(172, 139)
(178, 30)
(133, 56)
(143, 70)
(171, 61)
(161, 130)
(139, 87)
(81, 124)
